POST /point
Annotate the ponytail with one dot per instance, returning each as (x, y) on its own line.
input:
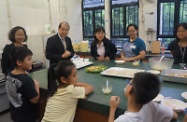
(52, 84)
(63, 69)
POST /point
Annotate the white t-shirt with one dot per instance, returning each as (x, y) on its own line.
(62, 105)
(150, 112)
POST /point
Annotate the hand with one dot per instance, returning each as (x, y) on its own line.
(114, 102)
(107, 59)
(66, 54)
(126, 59)
(36, 83)
(100, 58)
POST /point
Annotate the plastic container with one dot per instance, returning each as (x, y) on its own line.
(165, 63)
(76, 47)
(84, 46)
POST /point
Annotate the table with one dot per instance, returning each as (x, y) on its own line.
(96, 106)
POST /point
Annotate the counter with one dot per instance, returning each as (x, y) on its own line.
(96, 106)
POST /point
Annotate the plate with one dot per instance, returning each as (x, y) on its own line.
(184, 95)
(96, 69)
(80, 63)
(153, 72)
(121, 72)
(175, 104)
(119, 61)
(158, 98)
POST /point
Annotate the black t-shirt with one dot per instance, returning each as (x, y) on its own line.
(20, 89)
(177, 52)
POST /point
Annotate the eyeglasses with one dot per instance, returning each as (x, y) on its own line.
(132, 31)
(129, 82)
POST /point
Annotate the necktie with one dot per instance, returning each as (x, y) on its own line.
(64, 43)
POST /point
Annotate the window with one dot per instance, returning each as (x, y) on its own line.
(93, 16)
(124, 12)
(170, 14)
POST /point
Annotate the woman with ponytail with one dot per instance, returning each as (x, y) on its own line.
(64, 92)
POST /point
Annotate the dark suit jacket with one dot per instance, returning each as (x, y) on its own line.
(110, 49)
(55, 49)
(6, 62)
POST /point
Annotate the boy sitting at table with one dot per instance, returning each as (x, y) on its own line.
(140, 92)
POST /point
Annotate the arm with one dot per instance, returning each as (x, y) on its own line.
(49, 51)
(93, 51)
(175, 117)
(6, 63)
(113, 51)
(88, 88)
(36, 99)
(138, 57)
(69, 52)
(114, 102)
(71, 49)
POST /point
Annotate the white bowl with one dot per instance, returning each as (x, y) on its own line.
(119, 61)
(153, 72)
(175, 104)
(184, 95)
(135, 63)
(158, 98)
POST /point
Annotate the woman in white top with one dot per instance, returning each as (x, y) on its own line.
(102, 49)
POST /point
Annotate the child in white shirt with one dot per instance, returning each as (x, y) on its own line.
(140, 92)
(65, 92)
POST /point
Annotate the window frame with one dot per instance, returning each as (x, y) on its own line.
(93, 9)
(124, 17)
(176, 17)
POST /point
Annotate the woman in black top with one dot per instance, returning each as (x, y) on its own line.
(178, 46)
(102, 49)
(17, 36)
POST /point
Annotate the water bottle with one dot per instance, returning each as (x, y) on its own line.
(162, 49)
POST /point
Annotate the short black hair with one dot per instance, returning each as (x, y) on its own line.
(19, 53)
(99, 29)
(11, 35)
(64, 22)
(146, 87)
(184, 25)
(134, 25)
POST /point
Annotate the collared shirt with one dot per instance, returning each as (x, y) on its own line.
(101, 49)
(63, 41)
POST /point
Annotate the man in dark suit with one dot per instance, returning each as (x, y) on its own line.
(59, 46)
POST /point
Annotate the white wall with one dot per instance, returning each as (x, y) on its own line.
(4, 26)
(142, 31)
(34, 15)
(74, 17)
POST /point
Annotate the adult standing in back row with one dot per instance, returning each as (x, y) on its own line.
(59, 46)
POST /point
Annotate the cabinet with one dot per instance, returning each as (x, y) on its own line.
(4, 103)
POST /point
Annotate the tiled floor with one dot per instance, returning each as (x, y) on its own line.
(5, 117)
